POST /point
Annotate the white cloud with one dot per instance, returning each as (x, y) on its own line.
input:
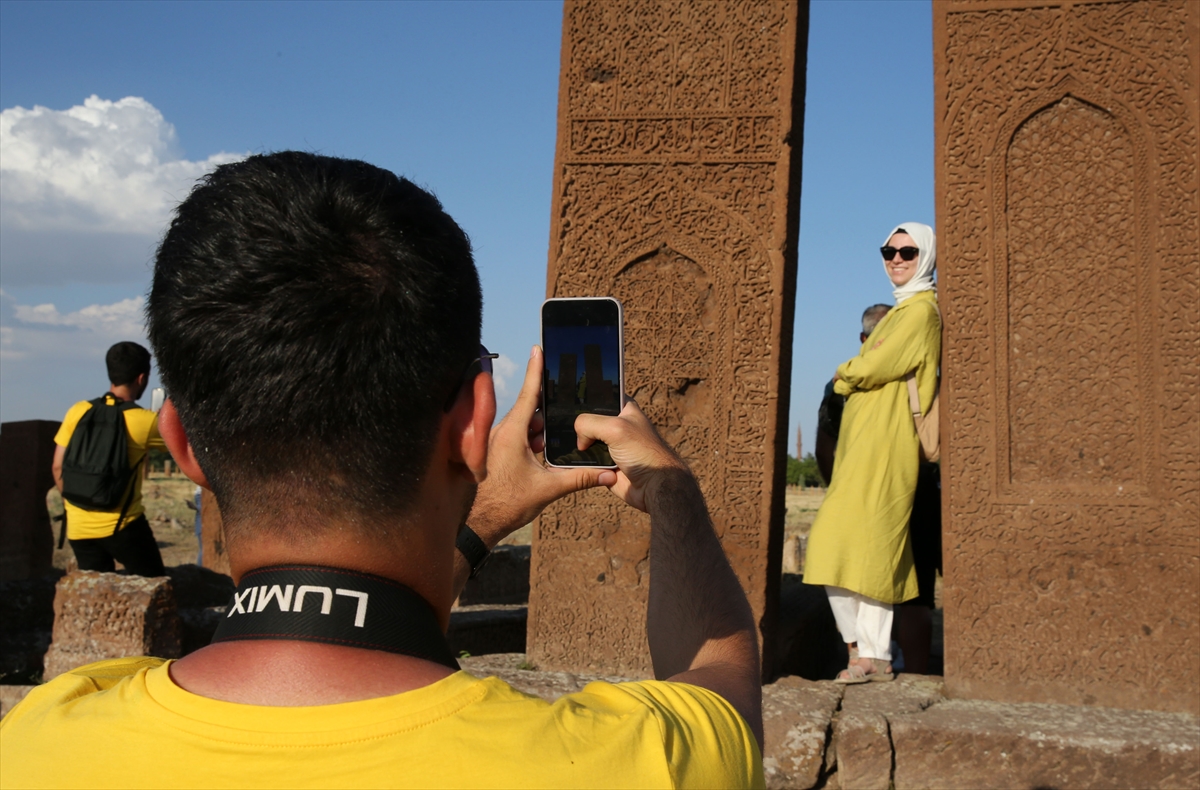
(103, 165)
(41, 331)
(85, 192)
(502, 373)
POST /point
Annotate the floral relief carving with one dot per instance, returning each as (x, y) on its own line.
(671, 194)
(1069, 219)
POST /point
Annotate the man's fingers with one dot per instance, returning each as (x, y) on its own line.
(531, 387)
(560, 482)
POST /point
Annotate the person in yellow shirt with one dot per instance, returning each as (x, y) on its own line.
(316, 322)
(120, 534)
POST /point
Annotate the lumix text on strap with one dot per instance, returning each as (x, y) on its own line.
(337, 607)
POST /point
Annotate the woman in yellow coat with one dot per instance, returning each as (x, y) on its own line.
(859, 547)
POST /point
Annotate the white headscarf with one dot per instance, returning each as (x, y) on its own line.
(926, 259)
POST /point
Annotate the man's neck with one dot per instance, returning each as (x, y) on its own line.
(123, 392)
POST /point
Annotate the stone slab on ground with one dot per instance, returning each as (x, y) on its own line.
(863, 742)
(479, 630)
(797, 719)
(973, 743)
(504, 579)
(110, 615)
(547, 685)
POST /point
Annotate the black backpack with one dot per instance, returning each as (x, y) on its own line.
(96, 471)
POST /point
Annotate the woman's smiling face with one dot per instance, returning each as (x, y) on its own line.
(899, 270)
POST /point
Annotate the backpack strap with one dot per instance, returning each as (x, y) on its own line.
(129, 496)
(914, 398)
(125, 405)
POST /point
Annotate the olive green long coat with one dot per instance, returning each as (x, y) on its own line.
(859, 539)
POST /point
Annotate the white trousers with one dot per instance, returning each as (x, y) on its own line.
(863, 620)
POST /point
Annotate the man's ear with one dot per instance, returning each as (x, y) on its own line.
(472, 425)
(171, 430)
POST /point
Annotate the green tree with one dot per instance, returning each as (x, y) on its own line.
(804, 472)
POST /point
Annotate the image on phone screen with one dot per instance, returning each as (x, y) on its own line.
(582, 341)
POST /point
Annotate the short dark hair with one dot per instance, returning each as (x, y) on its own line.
(310, 315)
(873, 315)
(126, 361)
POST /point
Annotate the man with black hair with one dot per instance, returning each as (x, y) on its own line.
(317, 322)
(102, 536)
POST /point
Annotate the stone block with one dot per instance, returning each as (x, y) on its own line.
(487, 629)
(11, 695)
(110, 615)
(677, 191)
(26, 625)
(973, 743)
(26, 538)
(1070, 407)
(504, 579)
(864, 751)
(862, 728)
(797, 717)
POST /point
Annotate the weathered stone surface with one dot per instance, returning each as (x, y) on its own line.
(864, 751)
(676, 190)
(487, 629)
(1071, 392)
(11, 695)
(971, 743)
(109, 615)
(504, 579)
(864, 745)
(26, 539)
(545, 684)
(797, 716)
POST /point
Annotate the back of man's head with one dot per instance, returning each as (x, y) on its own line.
(310, 315)
(126, 361)
(872, 316)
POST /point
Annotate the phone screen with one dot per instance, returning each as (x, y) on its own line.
(583, 344)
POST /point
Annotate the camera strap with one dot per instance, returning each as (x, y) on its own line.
(337, 607)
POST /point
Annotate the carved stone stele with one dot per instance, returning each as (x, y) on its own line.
(1069, 230)
(676, 190)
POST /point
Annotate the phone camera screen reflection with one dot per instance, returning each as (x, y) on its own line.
(582, 375)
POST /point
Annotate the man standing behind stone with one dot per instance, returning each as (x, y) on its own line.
(100, 536)
(317, 321)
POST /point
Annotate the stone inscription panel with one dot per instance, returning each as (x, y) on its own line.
(1069, 223)
(676, 191)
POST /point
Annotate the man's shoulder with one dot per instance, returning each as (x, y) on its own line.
(76, 684)
(70, 421)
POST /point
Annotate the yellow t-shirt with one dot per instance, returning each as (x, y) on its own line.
(142, 426)
(124, 723)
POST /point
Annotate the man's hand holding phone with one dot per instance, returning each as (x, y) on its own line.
(518, 486)
(643, 459)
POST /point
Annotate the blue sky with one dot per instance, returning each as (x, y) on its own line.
(458, 96)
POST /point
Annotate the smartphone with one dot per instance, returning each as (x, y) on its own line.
(583, 341)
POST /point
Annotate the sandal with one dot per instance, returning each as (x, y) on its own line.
(852, 675)
(882, 671)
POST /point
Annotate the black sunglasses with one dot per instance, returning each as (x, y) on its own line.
(906, 253)
(484, 361)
